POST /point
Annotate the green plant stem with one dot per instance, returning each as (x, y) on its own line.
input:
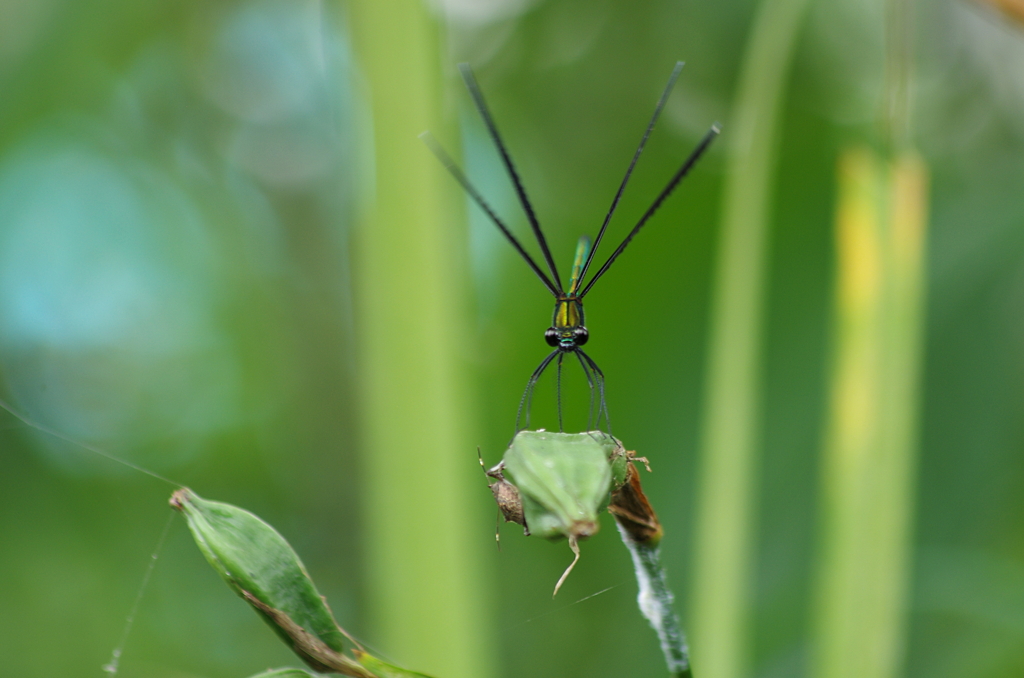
(425, 597)
(726, 487)
(868, 463)
(655, 602)
(869, 458)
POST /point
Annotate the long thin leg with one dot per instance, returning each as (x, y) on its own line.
(590, 382)
(485, 113)
(629, 170)
(558, 391)
(528, 393)
(461, 177)
(665, 192)
(600, 386)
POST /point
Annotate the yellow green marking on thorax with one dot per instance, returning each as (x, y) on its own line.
(568, 313)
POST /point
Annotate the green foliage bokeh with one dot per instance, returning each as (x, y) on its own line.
(178, 197)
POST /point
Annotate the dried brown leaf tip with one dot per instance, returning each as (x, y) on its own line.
(1013, 9)
(633, 512)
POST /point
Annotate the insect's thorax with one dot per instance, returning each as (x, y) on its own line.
(568, 313)
(567, 323)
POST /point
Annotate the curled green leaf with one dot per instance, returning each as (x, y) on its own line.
(563, 481)
(261, 567)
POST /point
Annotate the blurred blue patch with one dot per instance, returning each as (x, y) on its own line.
(279, 70)
(108, 303)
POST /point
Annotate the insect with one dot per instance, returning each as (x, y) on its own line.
(568, 331)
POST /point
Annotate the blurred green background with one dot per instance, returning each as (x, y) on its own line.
(202, 272)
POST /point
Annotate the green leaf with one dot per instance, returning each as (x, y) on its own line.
(285, 673)
(565, 479)
(261, 567)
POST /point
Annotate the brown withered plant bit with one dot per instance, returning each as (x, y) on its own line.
(574, 546)
(632, 511)
(506, 495)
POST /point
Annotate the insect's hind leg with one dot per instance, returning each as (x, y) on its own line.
(599, 376)
(528, 393)
(558, 391)
(590, 383)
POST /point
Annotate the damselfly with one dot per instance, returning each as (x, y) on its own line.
(568, 331)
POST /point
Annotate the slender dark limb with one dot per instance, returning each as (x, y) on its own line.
(629, 170)
(590, 383)
(694, 156)
(600, 387)
(558, 391)
(478, 99)
(528, 393)
(461, 177)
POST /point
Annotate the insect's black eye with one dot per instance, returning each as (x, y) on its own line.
(551, 336)
(581, 335)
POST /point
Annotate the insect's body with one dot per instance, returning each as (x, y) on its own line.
(568, 331)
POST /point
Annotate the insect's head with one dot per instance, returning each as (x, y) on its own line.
(566, 337)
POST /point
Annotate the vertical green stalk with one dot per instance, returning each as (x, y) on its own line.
(868, 469)
(425, 595)
(655, 600)
(868, 482)
(728, 468)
